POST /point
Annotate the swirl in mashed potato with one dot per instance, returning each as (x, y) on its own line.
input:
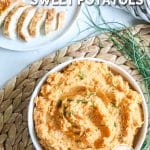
(87, 106)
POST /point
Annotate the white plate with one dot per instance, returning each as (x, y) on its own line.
(141, 135)
(19, 45)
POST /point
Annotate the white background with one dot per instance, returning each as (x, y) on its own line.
(11, 62)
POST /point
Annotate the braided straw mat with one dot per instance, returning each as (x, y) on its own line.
(15, 95)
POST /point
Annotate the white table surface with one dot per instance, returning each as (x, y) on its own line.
(11, 62)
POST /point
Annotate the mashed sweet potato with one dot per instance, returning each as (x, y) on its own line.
(4, 4)
(87, 106)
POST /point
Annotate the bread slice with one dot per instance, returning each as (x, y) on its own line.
(10, 23)
(5, 7)
(37, 22)
(23, 23)
(60, 19)
(51, 21)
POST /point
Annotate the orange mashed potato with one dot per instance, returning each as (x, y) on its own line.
(87, 106)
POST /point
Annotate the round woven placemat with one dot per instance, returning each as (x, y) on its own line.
(15, 95)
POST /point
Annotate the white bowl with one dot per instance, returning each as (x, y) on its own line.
(142, 134)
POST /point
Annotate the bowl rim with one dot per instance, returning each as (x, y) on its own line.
(59, 67)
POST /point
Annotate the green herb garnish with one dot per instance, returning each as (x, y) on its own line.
(93, 104)
(69, 99)
(82, 101)
(81, 75)
(91, 94)
(71, 113)
(59, 103)
(113, 104)
(64, 111)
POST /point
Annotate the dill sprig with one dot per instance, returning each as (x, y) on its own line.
(129, 47)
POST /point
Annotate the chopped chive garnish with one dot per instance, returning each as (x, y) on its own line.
(91, 94)
(59, 103)
(82, 101)
(93, 104)
(115, 125)
(81, 75)
(113, 104)
(64, 111)
(71, 113)
(69, 99)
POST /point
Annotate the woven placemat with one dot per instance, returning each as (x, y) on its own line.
(15, 95)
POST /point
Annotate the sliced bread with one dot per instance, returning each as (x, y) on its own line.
(37, 22)
(23, 23)
(60, 19)
(10, 23)
(5, 8)
(51, 21)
